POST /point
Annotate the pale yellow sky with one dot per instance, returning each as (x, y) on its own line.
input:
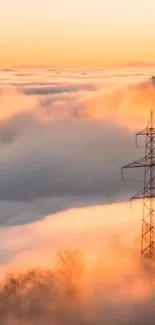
(76, 33)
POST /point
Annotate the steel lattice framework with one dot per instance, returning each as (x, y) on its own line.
(147, 194)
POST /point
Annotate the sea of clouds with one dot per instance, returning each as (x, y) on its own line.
(64, 136)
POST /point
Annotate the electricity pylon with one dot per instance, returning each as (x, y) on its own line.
(147, 194)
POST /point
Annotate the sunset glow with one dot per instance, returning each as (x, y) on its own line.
(89, 33)
(77, 83)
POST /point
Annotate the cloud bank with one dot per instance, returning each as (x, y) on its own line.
(64, 136)
(111, 288)
(65, 140)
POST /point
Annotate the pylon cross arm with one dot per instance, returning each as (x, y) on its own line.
(147, 193)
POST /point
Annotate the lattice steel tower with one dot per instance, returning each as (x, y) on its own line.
(147, 194)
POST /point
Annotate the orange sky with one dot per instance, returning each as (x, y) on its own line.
(71, 33)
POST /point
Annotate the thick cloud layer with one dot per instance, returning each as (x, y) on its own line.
(112, 288)
(65, 135)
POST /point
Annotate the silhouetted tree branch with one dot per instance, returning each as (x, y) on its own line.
(71, 266)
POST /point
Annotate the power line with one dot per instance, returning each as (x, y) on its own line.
(148, 195)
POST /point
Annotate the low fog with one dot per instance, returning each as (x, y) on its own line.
(64, 137)
(68, 140)
(70, 292)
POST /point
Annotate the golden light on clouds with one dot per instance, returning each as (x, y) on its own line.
(129, 107)
(96, 230)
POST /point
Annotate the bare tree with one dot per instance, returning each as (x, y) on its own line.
(28, 295)
(13, 288)
(43, 295)
(70, 265)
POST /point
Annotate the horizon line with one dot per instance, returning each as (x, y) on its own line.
(132, 64)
